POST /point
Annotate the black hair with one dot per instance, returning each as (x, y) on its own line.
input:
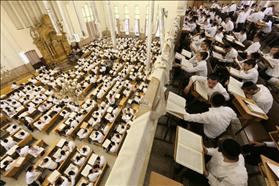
(204, 55)
(255, 55)
(276, 55)
(30, 169)
(217, 99)
(250, 62)
(230, 149)
(227, 46)
(213, 76)
(249, 85)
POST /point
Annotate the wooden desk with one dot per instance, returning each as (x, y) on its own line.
(270, 176)
(160, 180)
(245, 112)
(7, 89)
(274, 135)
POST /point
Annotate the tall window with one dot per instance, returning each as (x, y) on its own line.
(116, 15)
(137, 20)
(146, 20)
(87, 13)
(126, 20)
(88, 16)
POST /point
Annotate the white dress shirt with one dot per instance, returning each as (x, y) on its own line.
(218, 88)
(250, 75)
(254, 47)
(268, 27)
(231, 55)
(268, 11)
(241, 37)
(31, 176)
(263, 98)
(255, 17)
(274, 71)
(241, 18)
(228, 26)
(215, 121)
(226, 173)
(200, 69)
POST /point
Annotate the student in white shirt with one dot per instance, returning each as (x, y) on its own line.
(63, 181)
(62, 156)
(269, 10)
(228, 25)
(32, 176)
(48, 163)
(254, 47)
(219, 34)
(201, 67)
(8, 143)
(85, 150)
(241, 36)
(260, 94)
(216, 120)
(241, 19)
(94, 173)
(72, 175)
(267, 27)
(248, 72)
(226, 166)
(273, 70)
(69, 146)
(14, 86)
(83, 133)
(231, 53)
(211, 84)
(79, 160)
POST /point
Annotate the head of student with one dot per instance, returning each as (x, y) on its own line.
(212, 80)
(228, 47)
(249, 64)
(249, 88)
(274, 50)
(230, 150)
(201, 56)
(205, 45)
(227, 19)
(31, 168)
(217, 99)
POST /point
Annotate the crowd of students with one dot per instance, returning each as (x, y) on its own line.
(221, 38)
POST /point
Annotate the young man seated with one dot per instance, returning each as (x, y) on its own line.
(201, 67)
(211, 85)
(48, 163)
(260, 94)
(215, 121)
(248, 72)
(273, 58)
(226, 166)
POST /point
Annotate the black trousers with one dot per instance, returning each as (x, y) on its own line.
(240, 26)
(252, 154)
(265, 76)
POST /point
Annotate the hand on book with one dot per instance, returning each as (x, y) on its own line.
(257, 144)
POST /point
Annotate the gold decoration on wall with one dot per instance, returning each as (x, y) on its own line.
(54, 48)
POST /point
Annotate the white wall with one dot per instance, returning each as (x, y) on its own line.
(13, 41)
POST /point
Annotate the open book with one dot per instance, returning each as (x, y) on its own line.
(234, 87)
(178, 56)
(219, 49)
(186, 53)
(274, 168)
(201, 90)
(217, 55)
(186, 63)
(176, 105)
(189, 150)
(254, 108)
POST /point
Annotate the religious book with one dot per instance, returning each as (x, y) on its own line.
(201, 90)
(234, 87)
(92, 159)
(53, 176)
(254, 108)
(219, 49)
(61, 142)
(217, 55)
(86, 170)
(186, 53)
(274, 168)
(189, 150)
(176, 105)
(186, 63)
(178, 56)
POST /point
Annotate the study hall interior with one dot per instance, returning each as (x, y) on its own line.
(125, 93)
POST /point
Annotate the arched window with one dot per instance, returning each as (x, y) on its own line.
(116, 15)
(146, 20)
(126, 20)
(88, 16)
(137, 20)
